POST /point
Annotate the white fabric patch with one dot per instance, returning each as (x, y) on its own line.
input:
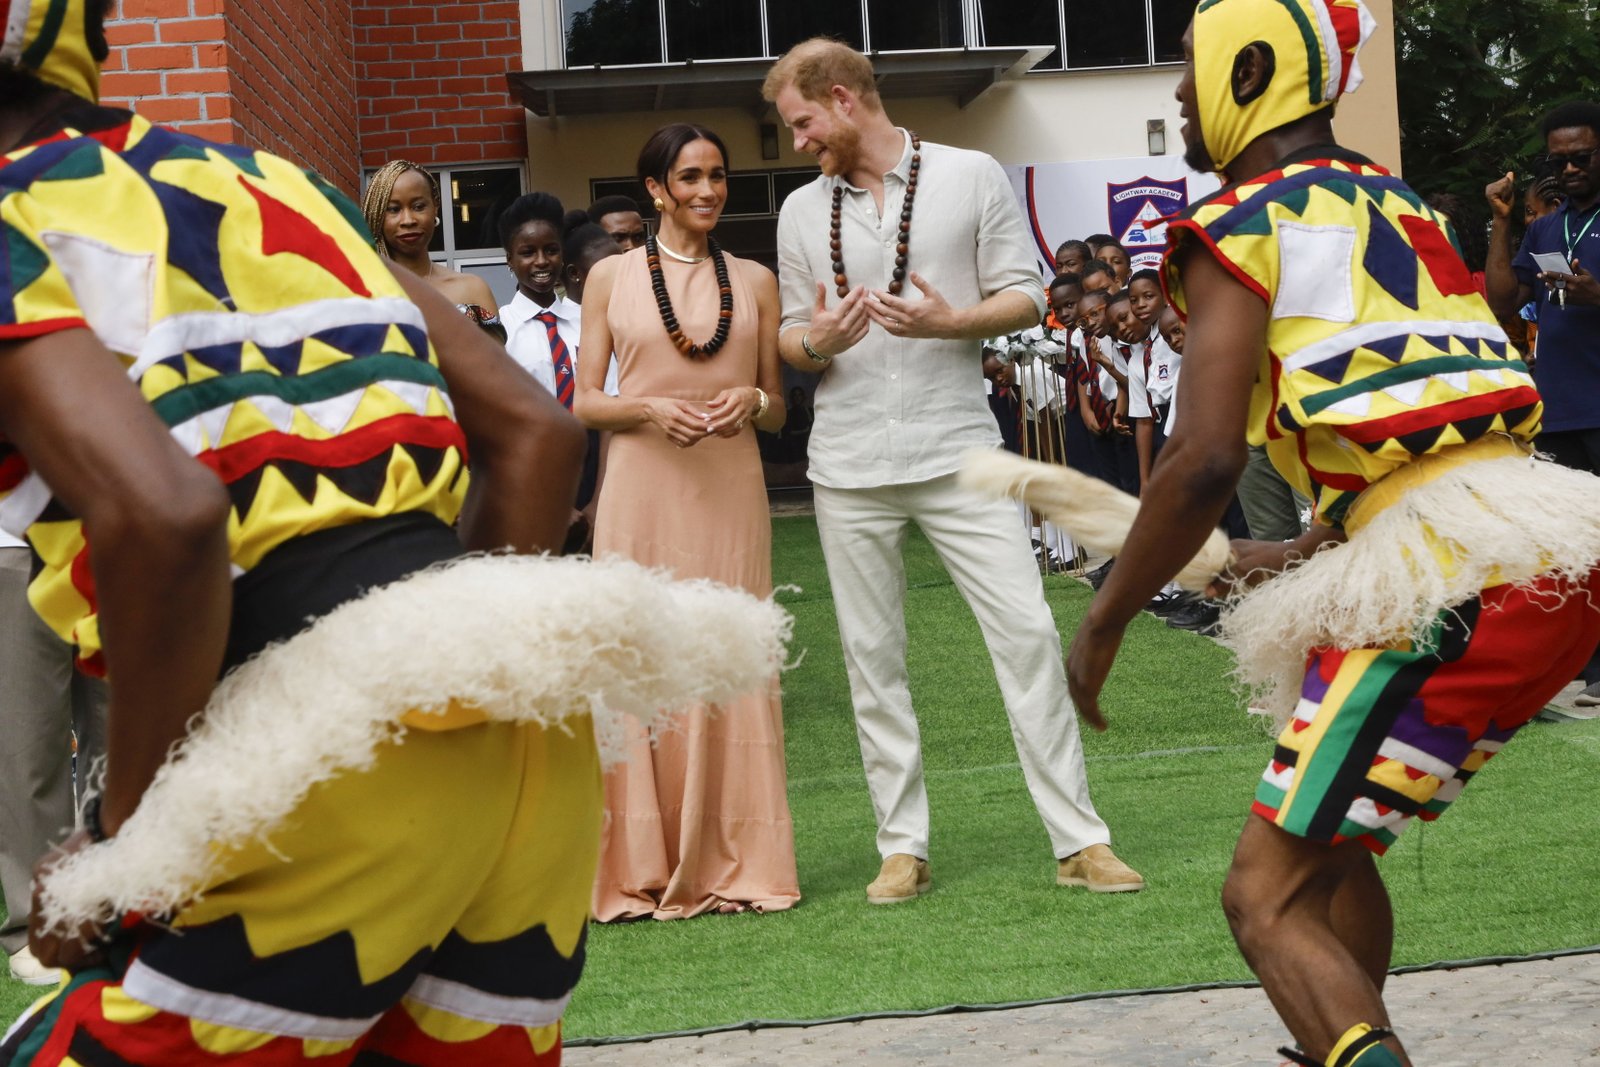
(1333, 57)
(24, 504)
(114, 289)
(1368, 332)
(149, 986)
(177, 334)
(1315, 273)
(475, 1004)
(1417, 759)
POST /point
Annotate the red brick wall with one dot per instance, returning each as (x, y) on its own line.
(293, 76)
(430, 81)
(175, 70)
(333, 84)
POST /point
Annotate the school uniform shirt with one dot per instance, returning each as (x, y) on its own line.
(1151, 376)
(1108, 381)
(529, 343)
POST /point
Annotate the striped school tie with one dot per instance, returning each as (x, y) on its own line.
(566, 381)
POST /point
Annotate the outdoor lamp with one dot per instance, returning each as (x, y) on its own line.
(1155, 133)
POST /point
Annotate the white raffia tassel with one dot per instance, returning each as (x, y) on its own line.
(1096, 514)
(1501, 521)
(523, 639)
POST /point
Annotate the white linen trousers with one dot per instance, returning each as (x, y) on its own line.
(987, 553)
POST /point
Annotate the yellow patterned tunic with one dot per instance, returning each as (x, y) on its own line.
(311, 391)
(1379, 347)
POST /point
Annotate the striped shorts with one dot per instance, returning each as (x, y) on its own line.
(428, 912)
(1385, 735)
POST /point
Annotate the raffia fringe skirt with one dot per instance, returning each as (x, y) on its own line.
(487, 638)
(1424, 539)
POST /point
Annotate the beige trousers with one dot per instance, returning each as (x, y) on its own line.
(43, 699)
(986, 551)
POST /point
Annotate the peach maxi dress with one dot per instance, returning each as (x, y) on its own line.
(699, 821)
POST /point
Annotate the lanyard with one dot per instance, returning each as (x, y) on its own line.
(1572, 242)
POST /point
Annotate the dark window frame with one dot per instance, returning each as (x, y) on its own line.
(968, 33)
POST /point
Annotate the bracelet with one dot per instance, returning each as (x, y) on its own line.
(811, 353)
(91, 819)
(761, 407)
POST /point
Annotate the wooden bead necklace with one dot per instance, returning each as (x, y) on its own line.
(658, 283)
(902, 248)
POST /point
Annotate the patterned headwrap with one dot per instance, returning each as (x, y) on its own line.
(1313, 45)
(50, 39)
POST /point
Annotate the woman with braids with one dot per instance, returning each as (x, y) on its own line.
(402, 208)
(698, 820)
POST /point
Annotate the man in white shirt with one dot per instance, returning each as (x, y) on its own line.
(894, 265)
(43, 699)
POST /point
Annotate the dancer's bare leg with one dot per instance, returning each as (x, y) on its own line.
(1314, 960)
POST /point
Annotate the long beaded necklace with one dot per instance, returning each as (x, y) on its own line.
(902, 249)
(658, 283)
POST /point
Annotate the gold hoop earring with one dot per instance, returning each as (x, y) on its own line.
(660, 205)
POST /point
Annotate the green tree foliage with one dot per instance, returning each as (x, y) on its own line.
(1476, 76)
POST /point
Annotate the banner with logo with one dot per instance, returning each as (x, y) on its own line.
(1126, 198)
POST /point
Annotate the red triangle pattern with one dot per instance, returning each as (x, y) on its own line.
(284, 229)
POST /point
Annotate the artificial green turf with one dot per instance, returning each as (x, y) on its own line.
(1511, 870)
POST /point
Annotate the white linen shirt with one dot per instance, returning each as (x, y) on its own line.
(529, 345)
(891, 410)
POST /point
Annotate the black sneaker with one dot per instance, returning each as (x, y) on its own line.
(1166, 603)
(1098, 576)
(1197, 617)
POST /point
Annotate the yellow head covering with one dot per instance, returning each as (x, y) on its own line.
(1313, 45)
(50, 40)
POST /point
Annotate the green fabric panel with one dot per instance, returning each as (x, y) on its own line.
(186, 402)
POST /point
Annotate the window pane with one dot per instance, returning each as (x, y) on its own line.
(612, 31)
(1106, 35)
(1022, 22)
(748, 194)
(630, 187)
(713, 29)
(1171, 18)
(477, 197)
(897, 24)
(791, 21)
(787, 181)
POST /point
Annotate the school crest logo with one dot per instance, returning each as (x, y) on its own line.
(1137, 210)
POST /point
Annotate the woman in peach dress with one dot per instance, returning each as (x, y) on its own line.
(697, 819)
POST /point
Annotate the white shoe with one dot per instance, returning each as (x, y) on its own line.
(26, 968)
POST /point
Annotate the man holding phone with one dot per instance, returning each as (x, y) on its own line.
(1569, 312)
(1568, 372)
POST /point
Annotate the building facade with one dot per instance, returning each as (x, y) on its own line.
(506, 96)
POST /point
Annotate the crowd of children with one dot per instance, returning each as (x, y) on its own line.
(1093, 386)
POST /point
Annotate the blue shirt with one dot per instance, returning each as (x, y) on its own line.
(1568, 368)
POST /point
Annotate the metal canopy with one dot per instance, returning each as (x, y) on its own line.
(960, 74)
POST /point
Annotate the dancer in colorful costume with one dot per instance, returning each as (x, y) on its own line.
(222, 415)
(1443, 593)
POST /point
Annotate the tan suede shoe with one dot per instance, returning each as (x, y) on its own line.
(1098, 870)
(903, 877)
(26, 968)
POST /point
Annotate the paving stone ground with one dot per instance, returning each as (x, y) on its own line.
(1539, 1012)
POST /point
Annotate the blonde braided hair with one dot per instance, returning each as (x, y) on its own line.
(380, 190)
